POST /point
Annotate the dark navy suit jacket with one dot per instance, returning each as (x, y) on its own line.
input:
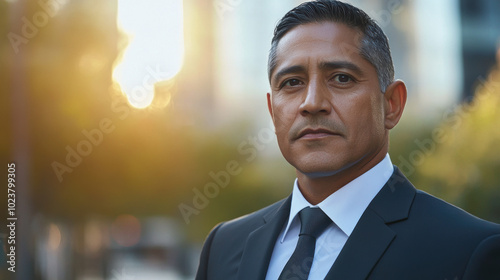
(403, 234)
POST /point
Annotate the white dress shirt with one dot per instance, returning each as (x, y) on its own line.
(344, 207)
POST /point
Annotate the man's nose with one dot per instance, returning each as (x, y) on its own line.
(316, 100)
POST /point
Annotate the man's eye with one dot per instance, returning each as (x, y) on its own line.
(342, 78)
(291, 83)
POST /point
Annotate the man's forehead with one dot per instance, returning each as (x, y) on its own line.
(326, 30)
(326, 40)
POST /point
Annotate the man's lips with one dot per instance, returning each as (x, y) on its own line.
(310, 133)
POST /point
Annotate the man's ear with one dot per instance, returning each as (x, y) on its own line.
(395, 100)
(269, 105)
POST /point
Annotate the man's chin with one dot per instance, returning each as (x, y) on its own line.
(324, 171)
(320, 174)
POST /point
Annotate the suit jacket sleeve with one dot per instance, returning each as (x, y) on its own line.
(485, 261)
(202, 272)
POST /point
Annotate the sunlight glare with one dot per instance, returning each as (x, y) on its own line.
(155, 50)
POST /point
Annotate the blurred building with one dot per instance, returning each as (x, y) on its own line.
(480, 30)
(121, 249)
(194, 100)
(244, 31)
(440, 49)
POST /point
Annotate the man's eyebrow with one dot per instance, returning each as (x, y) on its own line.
(288, 70)
(330, 65)
(325, 65)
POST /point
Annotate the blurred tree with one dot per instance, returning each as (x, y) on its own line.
(260, 177)
(463, 154)
(138, 161)
(94, 155)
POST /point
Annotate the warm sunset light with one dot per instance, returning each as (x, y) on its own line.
(155, 47)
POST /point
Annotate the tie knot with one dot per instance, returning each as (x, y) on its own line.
(313, 221)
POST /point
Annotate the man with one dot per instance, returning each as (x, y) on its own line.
(351, 214)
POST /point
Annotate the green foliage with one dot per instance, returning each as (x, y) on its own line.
(152, 160)
(147, 162)
(464, 166)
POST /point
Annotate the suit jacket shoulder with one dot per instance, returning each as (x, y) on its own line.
(409, 234)
(243, 225)
(403, 234)
(229, 242)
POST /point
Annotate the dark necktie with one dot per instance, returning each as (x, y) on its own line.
(313, 221)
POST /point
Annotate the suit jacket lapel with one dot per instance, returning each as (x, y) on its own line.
(260, 244)
(372, 236)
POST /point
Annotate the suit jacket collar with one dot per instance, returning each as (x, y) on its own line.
(367, 243)
(372, 235)
(260, 243)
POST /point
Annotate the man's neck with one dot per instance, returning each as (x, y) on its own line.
(317, 188)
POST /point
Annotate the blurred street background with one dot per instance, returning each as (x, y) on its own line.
(137, 126)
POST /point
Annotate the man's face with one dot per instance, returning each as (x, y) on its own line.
(326, 103)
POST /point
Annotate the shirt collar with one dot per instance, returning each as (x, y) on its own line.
(345, 206)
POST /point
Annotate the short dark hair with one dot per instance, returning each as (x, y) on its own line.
(374, 43)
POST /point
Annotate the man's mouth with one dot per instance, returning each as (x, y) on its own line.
(316, 133)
